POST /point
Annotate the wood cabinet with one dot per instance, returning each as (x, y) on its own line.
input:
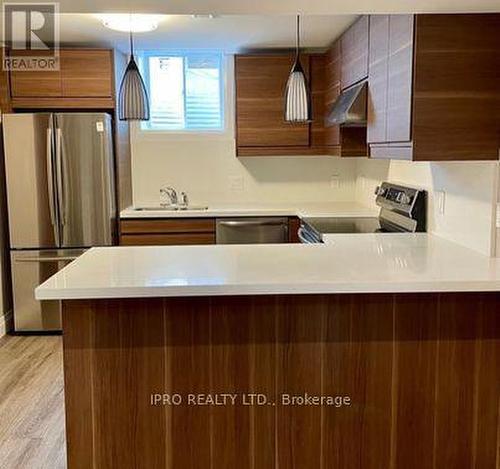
(260, 125)
(293, 230)
(36, 83)
(421, 371)
(433, 87)
(84, 79)
(173, 231)
(354, 53)
(86, 73)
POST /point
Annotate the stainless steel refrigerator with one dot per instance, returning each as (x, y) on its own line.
(61, 200)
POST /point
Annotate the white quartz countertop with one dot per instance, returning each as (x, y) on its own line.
(363, 263)
(312, 209)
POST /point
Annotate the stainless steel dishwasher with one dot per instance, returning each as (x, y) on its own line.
(250, 230)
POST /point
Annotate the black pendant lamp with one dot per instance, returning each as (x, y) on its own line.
(133, 101)
(298, 108)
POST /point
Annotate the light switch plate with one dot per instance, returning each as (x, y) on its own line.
(335, 181)
(441, 201)
(236, 183)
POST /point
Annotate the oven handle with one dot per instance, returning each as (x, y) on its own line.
(304, 239)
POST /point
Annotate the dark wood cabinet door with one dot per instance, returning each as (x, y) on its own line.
(260, 88)
(87, 73)
(399, 78)
(354, 53)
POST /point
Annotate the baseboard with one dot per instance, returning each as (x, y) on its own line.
(5, 323)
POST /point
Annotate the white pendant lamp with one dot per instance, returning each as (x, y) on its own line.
(298, 107)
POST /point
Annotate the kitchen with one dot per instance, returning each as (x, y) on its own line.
(308, 211)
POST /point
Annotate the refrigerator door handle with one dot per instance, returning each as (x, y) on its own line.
(50, 185)
(50, 179)
(60, 177)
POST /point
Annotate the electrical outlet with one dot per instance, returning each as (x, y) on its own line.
(441, 201)
(335, 181)
(236, 183)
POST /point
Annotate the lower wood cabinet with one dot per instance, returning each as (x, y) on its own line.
(165, 232)
(293, 230)
(172, 239)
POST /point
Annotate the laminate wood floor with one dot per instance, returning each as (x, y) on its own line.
(31, 403)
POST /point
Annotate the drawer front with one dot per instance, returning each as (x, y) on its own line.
(178, 225)
(176, 239)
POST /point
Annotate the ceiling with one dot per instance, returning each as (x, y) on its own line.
(258, 7)
(228, 33)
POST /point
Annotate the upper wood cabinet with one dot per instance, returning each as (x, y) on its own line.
(354, 53)
(260, 126)
(434, 87)
(83, 74)
(86, 73)
(260, 87)
(37, 83)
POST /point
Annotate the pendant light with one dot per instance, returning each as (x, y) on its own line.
(133, 101)
(298, 107)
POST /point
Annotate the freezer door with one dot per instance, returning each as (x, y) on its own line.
(30, 269)
(85, 179)
(29, 168)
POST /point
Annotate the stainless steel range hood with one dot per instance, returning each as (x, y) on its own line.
(350, 107)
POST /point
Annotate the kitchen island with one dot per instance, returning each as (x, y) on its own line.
(371, 351)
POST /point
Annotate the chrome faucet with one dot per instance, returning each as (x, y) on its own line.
(171, 193)
(184, 202)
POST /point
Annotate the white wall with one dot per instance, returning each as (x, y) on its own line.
(211, 174)
(470, 192)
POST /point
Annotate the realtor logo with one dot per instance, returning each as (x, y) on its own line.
(30, 36)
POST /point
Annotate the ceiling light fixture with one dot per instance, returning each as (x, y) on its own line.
(298, 108)
(135, 23)
(133, 101)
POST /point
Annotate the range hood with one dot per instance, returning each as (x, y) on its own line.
(350, 107)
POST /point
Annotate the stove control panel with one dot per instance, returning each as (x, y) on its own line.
(406, 201)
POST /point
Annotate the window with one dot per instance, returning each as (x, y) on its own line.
(186, 91)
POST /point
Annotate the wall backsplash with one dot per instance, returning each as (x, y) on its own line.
(208, 170)
(470, 192)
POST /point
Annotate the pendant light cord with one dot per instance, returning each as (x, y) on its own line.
(131, 39)
(297, 52)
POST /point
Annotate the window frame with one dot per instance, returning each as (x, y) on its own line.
(226, 93)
